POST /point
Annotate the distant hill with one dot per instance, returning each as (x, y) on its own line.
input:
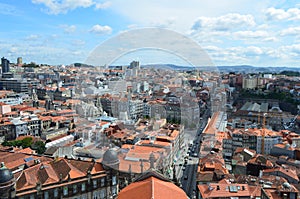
(254, 69)
(290, 73)
(225, 69)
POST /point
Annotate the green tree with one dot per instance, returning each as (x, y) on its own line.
(39, 147)
(26, 142)
(6, 143)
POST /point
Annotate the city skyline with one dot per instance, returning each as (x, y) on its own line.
(232, 33)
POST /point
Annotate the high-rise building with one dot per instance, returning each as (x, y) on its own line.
(5, 65)
(19, 61)
(135, 64)
(19, 85)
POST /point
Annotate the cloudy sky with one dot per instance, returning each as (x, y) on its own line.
(232, 32)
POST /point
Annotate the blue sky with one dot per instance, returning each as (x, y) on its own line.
(233, 32)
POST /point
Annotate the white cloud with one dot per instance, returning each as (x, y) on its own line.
(247, 51)
(271, 39)
(98, 29)
(293, 49)
(78, 42)
(224, 56)
(63, 6)
(251, 34)
(32, 37)
(256, 55)
(211, 48)
(223, 23)
(103, 5)
(260, 35)
(290, 31)
(208, 37)
(7, 9)
(281, 14)
(168, 23)
(132, 26)
(253, 51)
(68, 28)
(146, 13)
(13, 49)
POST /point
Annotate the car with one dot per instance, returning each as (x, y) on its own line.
(195, 154)
(194, 148)
(183, 168)
(180, 164)
(185, 177)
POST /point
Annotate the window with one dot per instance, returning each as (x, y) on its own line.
(114, 191)
(83, 187)
(95, 195)
(103, 193)
(102, 182)
(65, 190)
(94, 183)
(74, 188)
(114, 180)
(56, 192)
(46, 195)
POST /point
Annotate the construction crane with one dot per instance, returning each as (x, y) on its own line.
(263, 134)
(258, 118)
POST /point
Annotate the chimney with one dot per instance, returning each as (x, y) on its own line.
(152, 160)
(142, 166)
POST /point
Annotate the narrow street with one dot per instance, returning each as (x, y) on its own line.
(187, 172)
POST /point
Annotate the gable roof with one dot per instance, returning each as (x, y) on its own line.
(152, 187)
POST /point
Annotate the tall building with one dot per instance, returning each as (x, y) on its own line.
(135, 64)
(19, 85)
(19, 61)
(5, 65)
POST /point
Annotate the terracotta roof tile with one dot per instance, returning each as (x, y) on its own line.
(61, 168)
(220, 190)
(152, 188)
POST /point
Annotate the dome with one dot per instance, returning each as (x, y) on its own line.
(5, 175)
(110, 157)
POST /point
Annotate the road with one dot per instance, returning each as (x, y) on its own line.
(187, 176)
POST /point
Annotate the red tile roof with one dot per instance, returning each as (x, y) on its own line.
(152, 187)
(222, 190)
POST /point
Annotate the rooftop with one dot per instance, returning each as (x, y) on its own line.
(222, 190)
(152, 187)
